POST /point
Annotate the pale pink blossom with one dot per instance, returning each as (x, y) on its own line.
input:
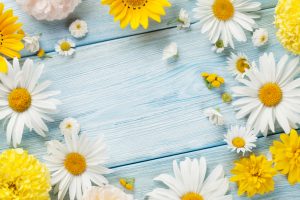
(48, 9)
(107, 192)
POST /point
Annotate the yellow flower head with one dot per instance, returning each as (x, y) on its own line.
(287, 21)
(10, 38)
(286, 156)
(212, 80)
(23, 177)
(253, 175)
(136, 12)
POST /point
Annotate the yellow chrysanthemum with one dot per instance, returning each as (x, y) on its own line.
(253, 175)
(136, 12)
(287, 21)
(286, 156)
(23, 177)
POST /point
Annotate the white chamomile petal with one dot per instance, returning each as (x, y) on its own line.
(214, 116)
(18, 103)
(76, 163)
(226, 19)
(170, 51)
(266, 97)
(240, 139)
(190, 182)
(65, 47)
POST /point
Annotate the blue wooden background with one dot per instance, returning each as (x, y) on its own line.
(149, 111)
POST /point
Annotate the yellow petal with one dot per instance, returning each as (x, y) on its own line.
(3, 64)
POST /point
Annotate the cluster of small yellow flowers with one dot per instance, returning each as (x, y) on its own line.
(212, 80)
(127, 183)
(287, 20)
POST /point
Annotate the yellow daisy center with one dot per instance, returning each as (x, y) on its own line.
(263, 38)
(242, 65)
(135, 3)
(223, 9)
(65, 46)
(270, 94)
(192, 196)
(78, 26)
(75, 163)
(19, 99)
(238, 142)
(69, 125)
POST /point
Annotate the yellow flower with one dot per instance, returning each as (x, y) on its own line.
(136, 12)
(226, 97)
(253, 175)
(287, 21)
(127, 183)
(216, 84)
(286, 156)
(10, 39)
(23, 177)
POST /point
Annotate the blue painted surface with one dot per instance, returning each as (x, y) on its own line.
(149, 111)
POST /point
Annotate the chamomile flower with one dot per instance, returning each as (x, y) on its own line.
(189, 182)
(24, 101)
(270, 95)
(76, 164)
(240, 139)
(65, 47)
(214, 116)
(184, 19)
(69, 126)
(260, 37)
(226, 19)
(78, 28)
(170, 51)
(238, 64)
(218, 47)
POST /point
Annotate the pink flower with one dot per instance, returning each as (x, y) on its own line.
(49, 9)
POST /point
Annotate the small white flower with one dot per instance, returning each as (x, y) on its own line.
(78, 28)
(69, 126)
(260, 37)
(238, 64)
(240, 139)
(32, 43)
(170, 51)
(107, 192)
(65, 47)
(218, 47)
(184, 19)
(214, 116)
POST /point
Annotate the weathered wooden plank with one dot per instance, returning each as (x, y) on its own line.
(101, 24)
(145, 107)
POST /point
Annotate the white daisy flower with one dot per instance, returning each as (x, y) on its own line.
(24, 102)
(218, 47)
(270, 94)
(65, 47)
(184, 19)
(226, 19)
(240, 139)
(32, 43)
(214, 116)
(260, 37)
(170, 51)
(76, 164)
(190, 183)
(69, 126)
(107, 192)
(78, 28)
(238, 64)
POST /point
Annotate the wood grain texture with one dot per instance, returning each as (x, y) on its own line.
(123, 90)
(101, 25)
(146, 171)
(149, 111)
